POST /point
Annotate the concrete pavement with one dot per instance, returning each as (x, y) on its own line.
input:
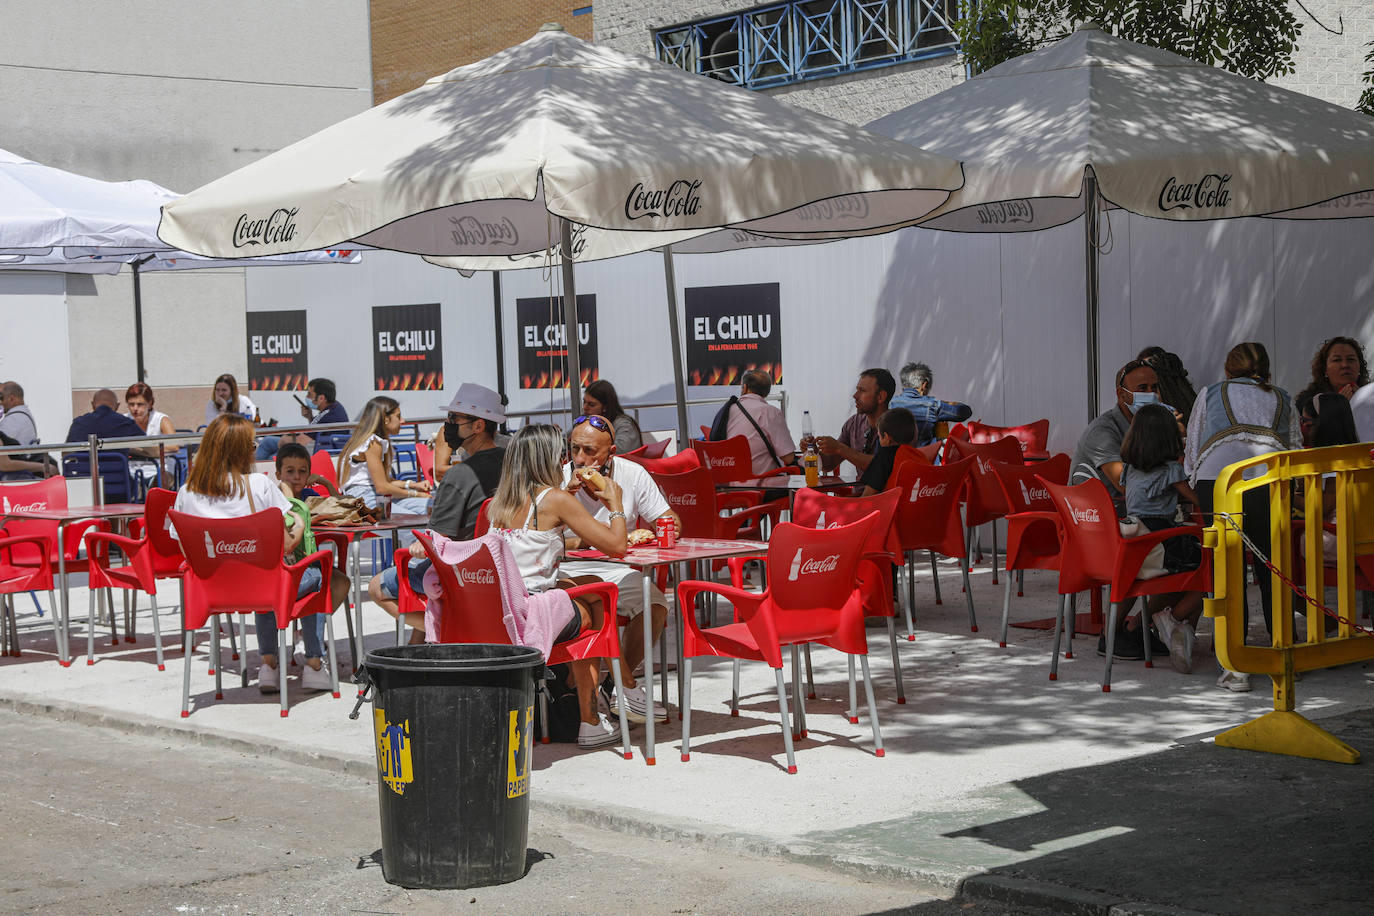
(995, 779)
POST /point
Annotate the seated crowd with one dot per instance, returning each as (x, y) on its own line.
(1158, 450)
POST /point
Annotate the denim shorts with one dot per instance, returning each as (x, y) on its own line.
(418, 568)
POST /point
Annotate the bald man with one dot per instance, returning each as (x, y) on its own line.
(103, 421)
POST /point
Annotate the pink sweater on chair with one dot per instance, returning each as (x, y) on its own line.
(531, 620)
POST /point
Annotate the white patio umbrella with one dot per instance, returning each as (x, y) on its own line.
(506, 157)
(1095, 121)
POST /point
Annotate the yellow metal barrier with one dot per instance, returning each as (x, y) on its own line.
(1284, 731)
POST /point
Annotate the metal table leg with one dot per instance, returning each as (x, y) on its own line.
(648, 616)
(356, 562)
(63, 657)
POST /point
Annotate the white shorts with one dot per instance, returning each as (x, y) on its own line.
(625, 578)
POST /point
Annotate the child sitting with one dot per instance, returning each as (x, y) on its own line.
(896, 432)
(1154, 481)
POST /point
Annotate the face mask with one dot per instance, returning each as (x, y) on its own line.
(452, 436)
(1141, 399)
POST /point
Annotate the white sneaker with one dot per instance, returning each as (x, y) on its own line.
(269, 679)
(1181, 647)
(637, 703)
(316, 678)
(1165, 624)
(1234, 681)
(599, 734)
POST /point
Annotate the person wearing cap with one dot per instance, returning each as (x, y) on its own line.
(473, 417)
(485, 404)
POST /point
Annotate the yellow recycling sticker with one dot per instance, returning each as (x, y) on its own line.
(393, 752)
(518, 743)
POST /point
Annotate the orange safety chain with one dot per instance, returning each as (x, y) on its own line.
(1226, 517)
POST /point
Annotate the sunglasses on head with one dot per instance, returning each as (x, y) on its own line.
(597, 422)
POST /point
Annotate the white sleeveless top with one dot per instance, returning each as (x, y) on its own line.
(358, 475)
(536, 552)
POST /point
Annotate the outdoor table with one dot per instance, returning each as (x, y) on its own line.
(355, 535)
(646, 560)
(65, 517)
(790, 482)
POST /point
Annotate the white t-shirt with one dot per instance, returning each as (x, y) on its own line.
(641, 496)
(1362, 406)
(266, 494)
(358, 474)
(247, 409)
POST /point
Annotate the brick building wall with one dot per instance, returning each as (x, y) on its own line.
(1330, 66)
(413, 40)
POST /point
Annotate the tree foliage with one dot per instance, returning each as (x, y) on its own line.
(1366, 102)
(1254, 38)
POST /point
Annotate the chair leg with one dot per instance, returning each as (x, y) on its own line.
(872, 708)
(1145, 631)
(799, 713)
(400, 630)
(687, 709)
(157, 636)
(36, 606)
(620, 704)
(1020, 583)
(1070, 621)
(968, 596)
(734, 690)
(214, 653)
(896, 661)
(934, 574)
(1054, 653)
(56, 625)
(109, 604)
(186, 638)
(1111, 649)
(543, 700)
(810, 679)
(90, 626)
(786, 726)
(283, 652)
(1006, 611)
(130, 616)
(852, 713)
(911, 592)
(241, 656)
(994, 551)
(348, 619)
(333, 655)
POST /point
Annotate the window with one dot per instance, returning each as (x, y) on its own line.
(797, 40)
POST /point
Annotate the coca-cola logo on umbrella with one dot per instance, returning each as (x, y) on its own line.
(1208, 192)
(277, 227)
(1005, 211)
(469, 231)
(678, 199)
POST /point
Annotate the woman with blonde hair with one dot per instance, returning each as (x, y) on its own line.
(364, 466)
(222, 485)
(531, 511)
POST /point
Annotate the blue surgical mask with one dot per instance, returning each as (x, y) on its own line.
(1141, 399)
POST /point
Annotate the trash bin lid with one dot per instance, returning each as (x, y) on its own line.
(455, 657)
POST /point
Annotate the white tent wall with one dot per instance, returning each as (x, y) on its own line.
(33, 312)
(999, 318)
(338, 300)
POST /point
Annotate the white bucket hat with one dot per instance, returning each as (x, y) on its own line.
(477, 401)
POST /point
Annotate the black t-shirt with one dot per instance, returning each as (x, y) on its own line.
(486, 464)
(879, 469)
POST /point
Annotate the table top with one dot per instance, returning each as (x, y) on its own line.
(687, 550)
(394, 523)
(76, 513)
(786, 482)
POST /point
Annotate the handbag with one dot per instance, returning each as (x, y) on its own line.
(1153, 567)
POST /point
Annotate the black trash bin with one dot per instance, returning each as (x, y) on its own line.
(453, 726)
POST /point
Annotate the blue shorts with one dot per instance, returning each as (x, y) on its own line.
(418, 568)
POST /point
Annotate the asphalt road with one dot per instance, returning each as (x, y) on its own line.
(109, 822)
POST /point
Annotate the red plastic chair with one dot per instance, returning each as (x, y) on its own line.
(655, 449)
(674, 464)
(692, 495)
(819, 600)
(1094, 554)
(1032, 525)
(984, 503)
(730, 461)
(814, 509)
(138, 574)
(17, 579)
(424, 458)
(470, 609)
(235, 566)
(1034, 437)
(928, 519)
(322, 463)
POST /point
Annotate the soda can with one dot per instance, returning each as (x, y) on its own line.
(667, 531)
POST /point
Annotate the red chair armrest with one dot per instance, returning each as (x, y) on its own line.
(1131, 555)
(42, 543)
(74, 533)
(98, 543)
(339, 539)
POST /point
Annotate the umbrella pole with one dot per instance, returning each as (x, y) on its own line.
(500, 335)
(570, 322)
(679, 388)
(1090, 214)
(138, 319)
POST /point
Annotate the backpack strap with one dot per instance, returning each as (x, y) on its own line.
(772, 453)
